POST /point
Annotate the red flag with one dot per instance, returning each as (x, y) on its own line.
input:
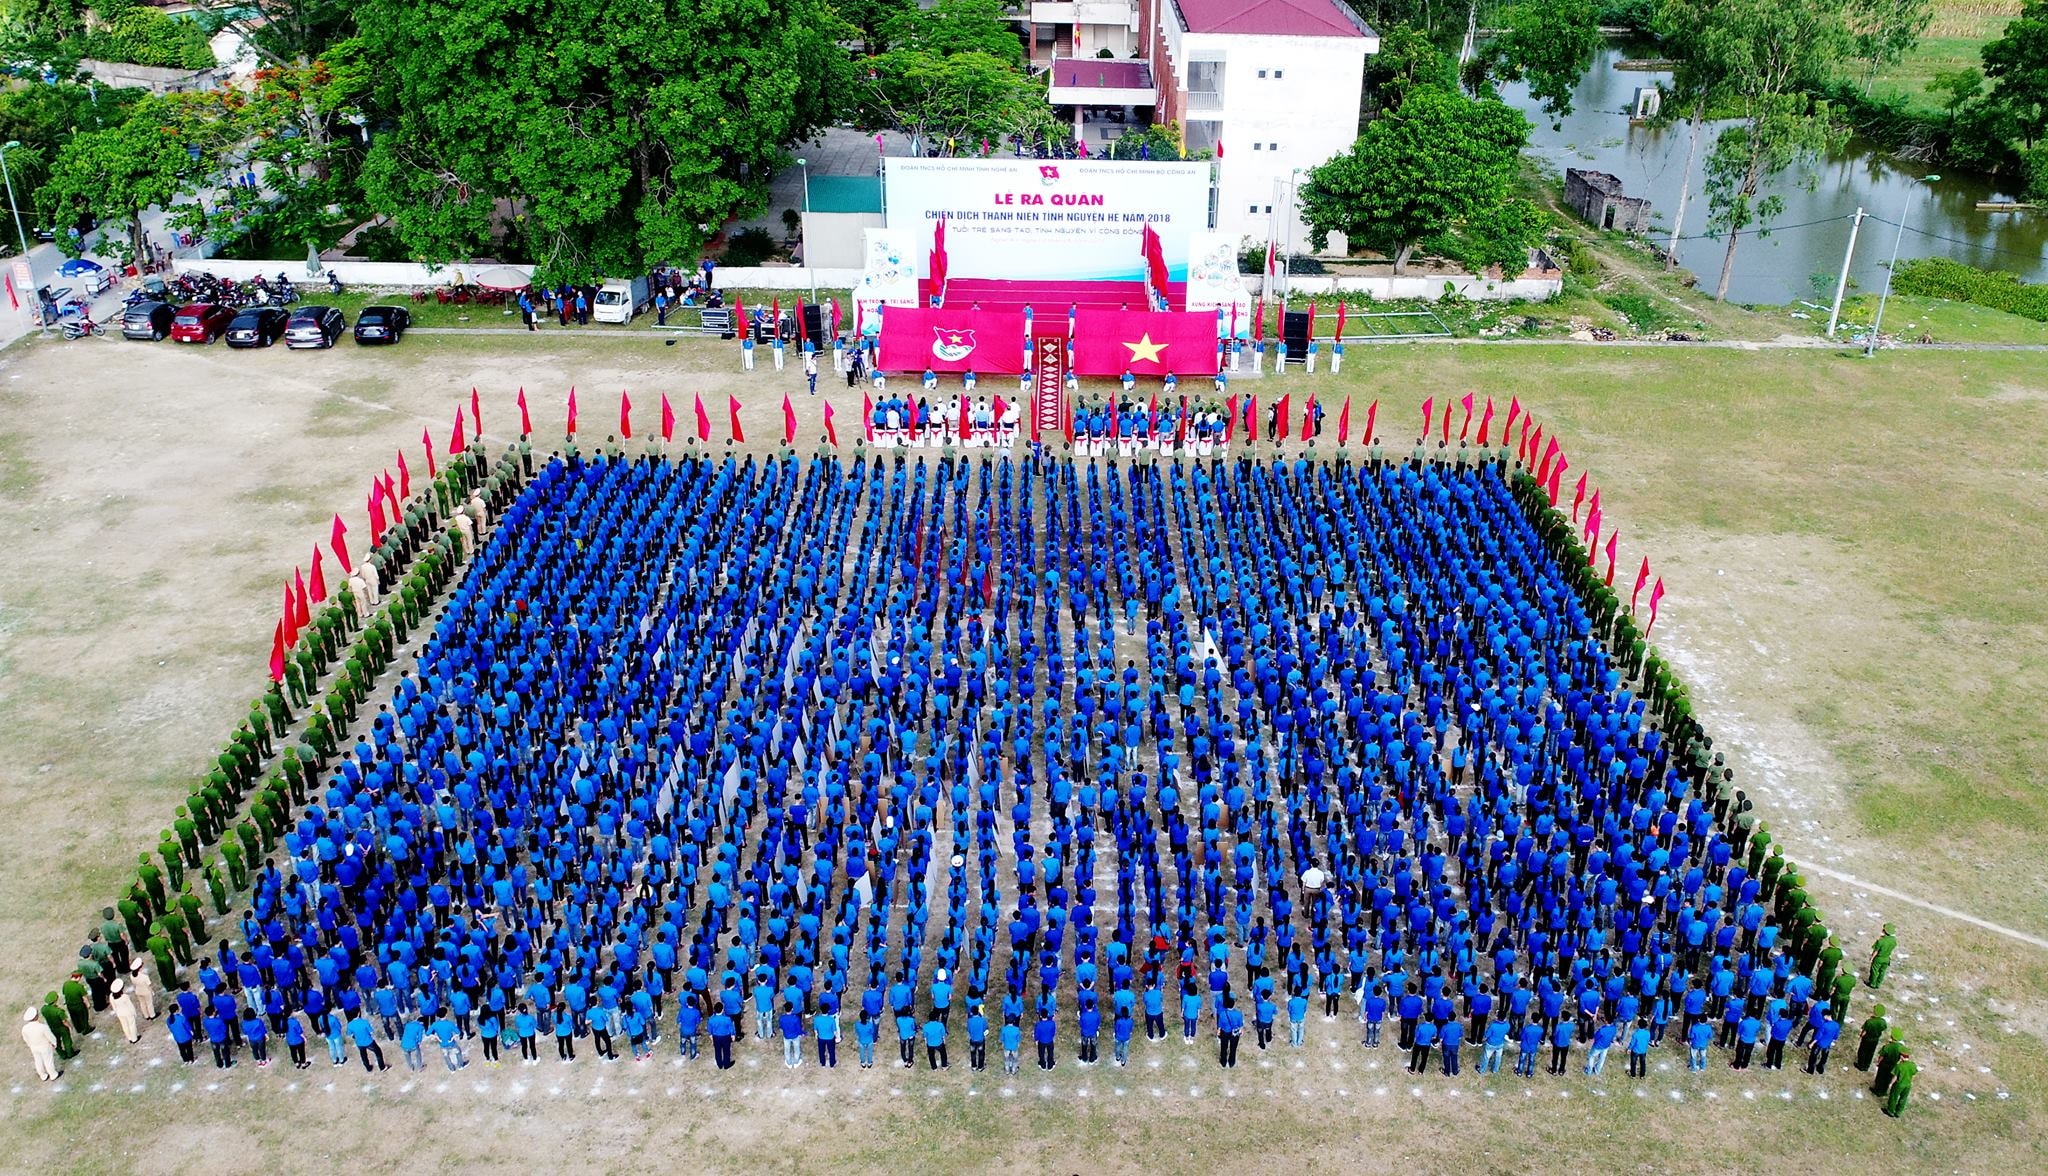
(319, 579)
(788, 421)
(14, 303)
(1578, 496)
(1656, 594)
(1514, 410)
(703, 421)
(1067, 422)
(476, 413)
(1485, 421)
(867, 417)
(1000, 407)
(1308, 418)
(1311, 320)
(1371, 414)
(1591, 535)
(1344, 414)
(1611, 541)
(1259, 312)
(525, 422)
(376, 507)
(1642, 578)
(1447, 424)
(732, 408)
(338, 539)
(668, 420)
(304, 616)
(831, 433)
(1152, 412)
(966, 422)
(276, 646)
(1230, 420)
(739, 320)
(1180, 426)
(1543, 466)
(1428, 410)
(455, 443)
(1251, 418)
(625, 415)
(1557, 476)
(405, 475)
(426, 443)
(1522, 450)
(290, 623)
(801, 336)
(1466, 426)
(572, 411)
(1285, 413)
(1115, 426)
(391, 496)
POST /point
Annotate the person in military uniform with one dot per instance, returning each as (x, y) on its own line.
(160, 951)
(259, 728)
(1888, 1062)
(1881, 957)
(1845, 985)
(142, 989)
(1873, 1035)
(112, 935)
(152, 880)
(74, 1004)
(53, 1016)
(195, 918)
(216, 888)
(42, 1046)
(173, 924)
(167, 847)
(1902, 1085)
(94, 973)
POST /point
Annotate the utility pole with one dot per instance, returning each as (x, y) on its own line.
(1905, 214)
(1842, 283)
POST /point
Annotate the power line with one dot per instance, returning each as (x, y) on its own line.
(2035, 257)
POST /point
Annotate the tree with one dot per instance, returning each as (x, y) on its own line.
(166, 150)
(2017, 64)
(1407, 59)
(1883, 31)
(1959, 87)
(871, 19)
(1432, 168)
(598, 138)
(952, 78)
(958, 26)
(1682, 28)
(1547, 43)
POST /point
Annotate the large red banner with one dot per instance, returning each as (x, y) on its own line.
(987, 342)
(1145, 343)
(1049, 383)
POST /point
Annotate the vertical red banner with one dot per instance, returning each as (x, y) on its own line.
(1049, 381)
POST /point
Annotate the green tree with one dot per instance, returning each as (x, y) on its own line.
(600, 137)
(1958, 88)
(2017, 64)
(1428, 171)
(162, 155)
(958, 26)
(871, 19)
(1883, 31)
(1547, 43)
(952, 77)
(1407, 59)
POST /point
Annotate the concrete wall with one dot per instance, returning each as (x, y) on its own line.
(123, 74)
(838, 240)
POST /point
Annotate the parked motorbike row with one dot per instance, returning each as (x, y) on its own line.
(203, 287)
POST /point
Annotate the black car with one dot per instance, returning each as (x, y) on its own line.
(148, 320)
(258, 326)
(314, 326)
(382, 324)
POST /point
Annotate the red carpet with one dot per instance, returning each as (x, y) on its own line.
(1047, 297)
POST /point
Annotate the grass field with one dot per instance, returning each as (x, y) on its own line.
(1855, 552)
(1955, 40)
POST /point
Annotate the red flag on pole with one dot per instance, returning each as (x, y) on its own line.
(732, 409)
(1578, 496)
(1428, 410)
(1592, 535)
(13, 299)
(668, 420)
(1230, 420)
(1522, 450)
(1067, 421)
(1594, 506)
(277, 653)
(304, 617)
(788, 421)
(1311, 320)
(801, 335)
(1115, 426)
(703, 421)
(867, 417)
(1557, 477)
(1259, 316)
(1340, 322)
(1656, 594)
(476, 413)
(572, 411)
(525, 422)
(376, 507)
(1485, 421)
(744, 329)
(319, 578)
(1446, 438)
(1543, 466)
(966, 421)
(1308, 418)
(426, 443)
(405, 476)
(455, 442)
(1371, 415)
(337, 538)
(1642, 578)
(831, 433)
(1251, 418)
(391, 496)
(290, 623)
(625, 415)
(1344, 415)
(1180, 425)
(1464, 427)
(1152, 414)
(1284, 414)
(1611, 541)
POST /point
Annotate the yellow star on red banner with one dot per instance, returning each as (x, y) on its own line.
(1145, 350)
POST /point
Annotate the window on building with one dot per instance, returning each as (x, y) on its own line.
(1272, 146)
(1278, 74)
(1269, 210)
(1262, 73)
(1253, 208)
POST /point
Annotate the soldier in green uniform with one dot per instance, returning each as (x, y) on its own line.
(74, 1004)
(1773, 870)
(295, 682)
(1888, 1062)
(117, 943)
(94, 972)
(238, 871)
(1873, 1036)
(133, 918)
(1902, 1085)
(1759, 848)
(1830, 965)
(53, 1016)
(1845, 984)
(217, 888)
(1881, 957)
(152, 880)
(188, 835)
(160, 950)
(173, 924)
(280, 714)
(247, 835)
(195, 918)
(259, 726)
(174, 860)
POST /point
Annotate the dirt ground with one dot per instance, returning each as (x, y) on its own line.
(154, 498)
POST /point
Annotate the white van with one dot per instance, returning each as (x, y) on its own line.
(619, 299)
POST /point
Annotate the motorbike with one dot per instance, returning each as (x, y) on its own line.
(81, 328)
(334, 285)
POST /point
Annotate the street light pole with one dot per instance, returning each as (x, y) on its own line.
(1905, 212)
(1842, 283)
(804, 231)
(28, 296)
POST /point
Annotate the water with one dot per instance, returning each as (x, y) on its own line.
(1780, 268)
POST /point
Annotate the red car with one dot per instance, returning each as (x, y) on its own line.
(201, 322)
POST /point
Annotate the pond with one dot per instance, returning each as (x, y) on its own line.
(1800, 259)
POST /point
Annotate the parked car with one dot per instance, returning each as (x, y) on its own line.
(258, 326)
(201, 322)
(314, 326)
(147, 320)
(619, 299)
(382, 324)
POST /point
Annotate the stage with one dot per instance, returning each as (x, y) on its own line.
(1047, 297)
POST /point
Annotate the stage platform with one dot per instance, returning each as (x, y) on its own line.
(1047, 297)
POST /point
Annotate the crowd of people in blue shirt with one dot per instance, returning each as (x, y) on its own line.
(1001, 752)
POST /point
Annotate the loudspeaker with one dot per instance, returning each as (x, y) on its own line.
(1295, 331)
(814, 322)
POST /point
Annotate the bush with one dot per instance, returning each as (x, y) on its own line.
(1938, 277)
(749, 247)
(1641, 312)
(2037, 174)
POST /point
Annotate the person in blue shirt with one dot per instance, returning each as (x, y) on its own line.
(977, 1039)
(1561, 1044)
(1411, 1015)
(1697, 1040)
(412, 1036)
(217, 1038)
(906, 1040)
(689, 1022)
(337, 1038)
(1746, 1032)
(449, 1036)
(565, 1033)
(1264, 1012)
(295, 1040)
(180, 1028)
(527, 1026)
(935, 1043)
(1297, 1020)
(1602, 1040)
(1229, 1031)
(1639, 1049)
(1373, 1010)
(1527, 1046)
(1011, 1038)
(721, 1027)
(1190, 1012)
(1419, 1049)
(825, 1028)
(864, 1039)
(1781, 1029)
(1824, 1039)
(1155, 1012)
(1121, 1031)
(1044, 1033)
(1496, 1044)
(1089, 1021)
(792, 1026)
(364, 1036)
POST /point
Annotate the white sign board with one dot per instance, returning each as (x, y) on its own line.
(1047, 219)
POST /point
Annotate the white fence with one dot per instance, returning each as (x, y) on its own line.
(412, 275)
(1421, 288)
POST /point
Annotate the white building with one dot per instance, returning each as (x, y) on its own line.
(1272, 86)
